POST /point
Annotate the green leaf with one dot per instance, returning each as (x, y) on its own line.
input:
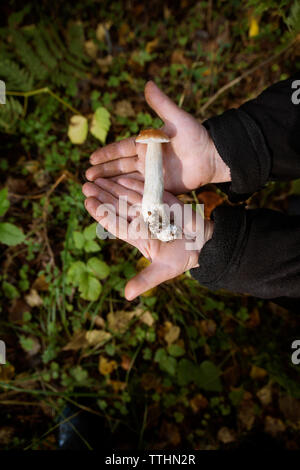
(99, 268)
(4, 202)
(10, 234)
(75, 272)
(26, 343)
(78, 240)
(166, 362)
(186, 372)
(89, 287)
(100, 124)
(89, 232)
(91, 246)
(78, 129)
(10, 291)
(207, 377)
(175, 350)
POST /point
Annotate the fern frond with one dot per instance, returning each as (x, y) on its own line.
(27, 55)
(10, 113)
(16, 78)
(293, 20)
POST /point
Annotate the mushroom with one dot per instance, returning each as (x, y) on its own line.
(153, 209)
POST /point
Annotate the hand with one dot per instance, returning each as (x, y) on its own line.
(168, 260)
(190, 159)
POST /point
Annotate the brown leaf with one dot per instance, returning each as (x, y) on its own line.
(126, 362)
(117, 385)
(40, 284)
(290, 408)
(17, 310)
(210, 200)
(91, 48)
(246, 414)
(178, 57)
(258, 373)
(7, 372)
(265, 395)
(124, 109)
(172, 334)
(169, 435)
(208, 327)
(77, 342)
(254, 319)
(198, 402)
(97, 337)
(226, 435)
(119, 321)
(33, 299)
(274, 426)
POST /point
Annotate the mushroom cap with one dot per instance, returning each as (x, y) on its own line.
(152, 135)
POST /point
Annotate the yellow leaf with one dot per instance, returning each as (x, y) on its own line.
(100, 124)
(78, 129)
(253, 27)
(257, 373)
(172, 334)
(119, 321)
(101, 30)
(152, 45)
(91, 48)
(77, 342)
(105, 366)
(7, 372)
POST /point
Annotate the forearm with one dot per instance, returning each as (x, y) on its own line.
(260, 140)
(252, 251)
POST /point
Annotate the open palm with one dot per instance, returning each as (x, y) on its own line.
(168, 260)
(190, 159)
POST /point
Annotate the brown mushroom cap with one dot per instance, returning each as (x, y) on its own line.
(152, 135)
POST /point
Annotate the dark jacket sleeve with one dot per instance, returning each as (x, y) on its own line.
(260, 141)
(256, 251)
(252, 251)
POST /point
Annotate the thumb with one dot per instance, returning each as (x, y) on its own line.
(166, 109)
(143, 281)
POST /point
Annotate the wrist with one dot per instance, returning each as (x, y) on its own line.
(221, 170)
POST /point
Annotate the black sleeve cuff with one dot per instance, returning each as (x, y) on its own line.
(242, 147)
(219, 252)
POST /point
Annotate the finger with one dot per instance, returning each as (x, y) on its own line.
(119, 190)
(114, 168)
(106, 216)
(145, 280)
(124, 148)
(121, 205)
(135, 175)
(166, 109)
(131, 183)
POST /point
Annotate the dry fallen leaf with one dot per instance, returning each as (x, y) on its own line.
(7, 372)
(226, 435)
(97, 337)
(105, 366)
(77, 342)
(126, 362)
(198, 403)
(211, 200)
(40, 284)
(208, 327)
(33, 299)
(274, 426)
(265, 395)
(124, 109)
(101, 30)
(119, 321)
(117, 385)
(91, 48)
(152, 45)
(258, 373)
(172, 333)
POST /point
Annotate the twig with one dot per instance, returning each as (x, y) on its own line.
(234, 82)
(27, 94)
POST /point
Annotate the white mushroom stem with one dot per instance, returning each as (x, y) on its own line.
(153, 210)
